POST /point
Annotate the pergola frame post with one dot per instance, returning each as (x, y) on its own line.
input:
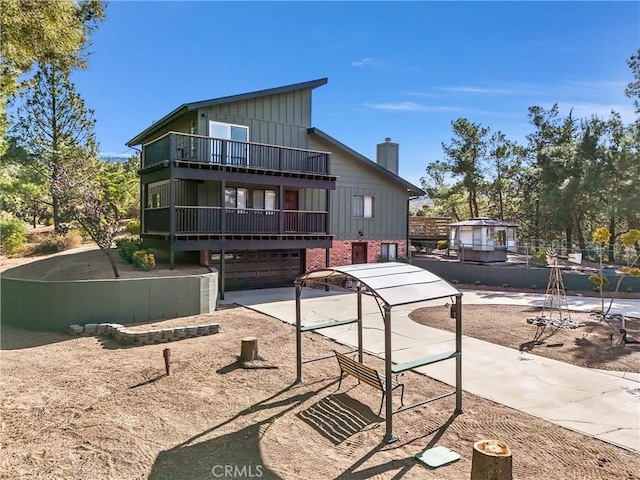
(360, 357)
(459, 356)
(388, 437)
(298, 334)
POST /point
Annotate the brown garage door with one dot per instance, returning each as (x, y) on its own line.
(246, 270)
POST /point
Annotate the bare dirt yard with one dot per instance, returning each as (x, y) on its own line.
(594, 345)
(86, 407)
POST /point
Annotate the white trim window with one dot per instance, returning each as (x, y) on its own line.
(362, 206)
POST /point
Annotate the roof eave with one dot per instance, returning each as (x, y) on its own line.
(185, 107)
(411, 189)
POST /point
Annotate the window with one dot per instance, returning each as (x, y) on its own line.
(236, 197)
(264, 199)
(236, 152)
(389, 251)
(362, 206)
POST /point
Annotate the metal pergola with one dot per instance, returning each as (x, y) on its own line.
(391, 284)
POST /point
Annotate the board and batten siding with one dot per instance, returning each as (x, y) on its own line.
(281, 119)
(390, 214)
(182, 124)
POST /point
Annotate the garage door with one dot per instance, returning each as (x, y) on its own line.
(247, 270)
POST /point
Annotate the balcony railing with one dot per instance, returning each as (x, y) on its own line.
(209, 220)
(215, 151)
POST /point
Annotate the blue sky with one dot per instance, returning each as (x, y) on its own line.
(403, 70)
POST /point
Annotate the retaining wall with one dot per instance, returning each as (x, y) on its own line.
(494, 274)
(52, 306)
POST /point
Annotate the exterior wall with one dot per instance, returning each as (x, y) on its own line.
(281, 119)
(182, 125)
(340, 253)
(391, 212)
(123, 300)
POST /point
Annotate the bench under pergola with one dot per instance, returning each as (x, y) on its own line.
(391, 284)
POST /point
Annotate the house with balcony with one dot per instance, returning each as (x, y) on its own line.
(246, 185)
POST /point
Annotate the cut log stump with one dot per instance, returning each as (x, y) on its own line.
(491, 461)
(249, 349)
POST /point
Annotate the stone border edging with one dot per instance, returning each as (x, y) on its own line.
(124, 336)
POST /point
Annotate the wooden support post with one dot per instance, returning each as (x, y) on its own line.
(167, 359)
(249, 349)
(491, 461)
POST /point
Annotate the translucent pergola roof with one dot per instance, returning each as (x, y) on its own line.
(394, 283)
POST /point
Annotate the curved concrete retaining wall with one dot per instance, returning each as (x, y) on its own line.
(51, 306)
(494, 274)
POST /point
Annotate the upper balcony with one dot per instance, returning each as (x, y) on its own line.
(184, 150)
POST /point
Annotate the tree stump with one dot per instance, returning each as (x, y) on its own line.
(491, 461)
(249, 349)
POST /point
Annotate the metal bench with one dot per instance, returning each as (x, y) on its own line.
(368, 375)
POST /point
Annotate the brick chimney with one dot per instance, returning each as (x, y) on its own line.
(387, 155)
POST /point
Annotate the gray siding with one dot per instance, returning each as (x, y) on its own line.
(390, 217)
(181, 125)
(275, 119)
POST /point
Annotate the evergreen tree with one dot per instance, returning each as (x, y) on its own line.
(56, 130)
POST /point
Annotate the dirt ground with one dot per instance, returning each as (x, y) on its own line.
(89, 408)
(594, 345)
(86, 407)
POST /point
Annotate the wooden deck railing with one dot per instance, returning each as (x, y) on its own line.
(187, 148)
(209, 220)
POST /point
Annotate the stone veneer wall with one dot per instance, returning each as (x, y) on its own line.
(340, 253)
(51, 306)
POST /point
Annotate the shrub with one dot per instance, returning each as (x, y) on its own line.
(127, 247)
(53, 242)
(534, 287)
(133, 227)
(598, 281)
(629, 290)
(443, 244)
(13, 234)
(455, 281)
(538, 259)
(143, 259)
(477, 282)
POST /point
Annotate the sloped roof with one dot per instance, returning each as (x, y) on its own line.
(394, 283)
(186, 107)
(413, 190)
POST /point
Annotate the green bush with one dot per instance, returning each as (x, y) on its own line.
(133, 227)
(597, 280)
(143, 259)
(127, 247)
(443, 244)
(538, 259)
(13, 234)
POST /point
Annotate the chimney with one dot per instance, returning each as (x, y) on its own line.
(387, 155)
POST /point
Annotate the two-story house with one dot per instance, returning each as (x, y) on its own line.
(245, 184)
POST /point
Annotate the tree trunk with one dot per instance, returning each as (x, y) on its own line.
(491, 461)
(568, 232)
(581, 240)
(249, 349)
(114, 267)
(612, 238)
